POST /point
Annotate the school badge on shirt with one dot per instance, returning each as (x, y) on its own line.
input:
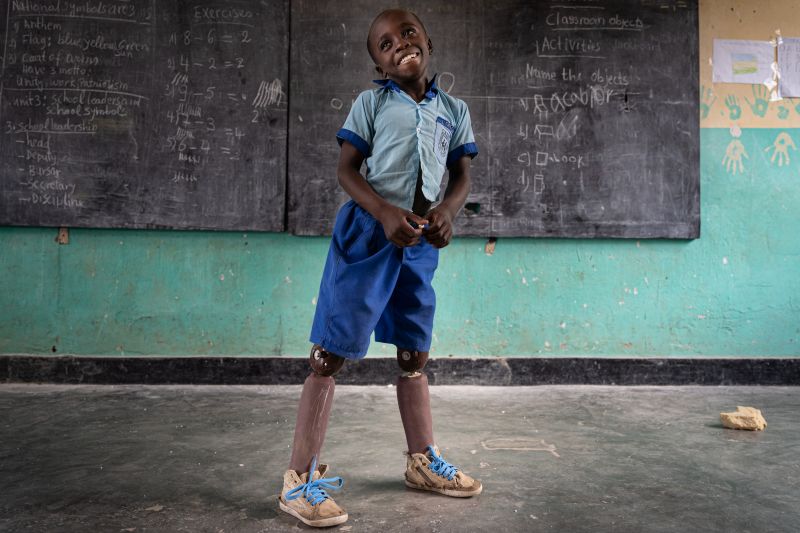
(441, 139)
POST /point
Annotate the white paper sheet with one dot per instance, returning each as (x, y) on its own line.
(789, 67)
(738, 61)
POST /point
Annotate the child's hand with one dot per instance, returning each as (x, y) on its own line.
(440, 227)
(398, 229)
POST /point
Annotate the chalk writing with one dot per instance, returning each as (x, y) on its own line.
(105, 118)
(560, 94)
(63, 82)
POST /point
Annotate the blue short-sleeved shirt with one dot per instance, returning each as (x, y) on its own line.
(399, 136)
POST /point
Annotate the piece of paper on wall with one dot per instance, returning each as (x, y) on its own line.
(789, 67)
(738, 61)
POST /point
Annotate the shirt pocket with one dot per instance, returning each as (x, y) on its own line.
(441, 139)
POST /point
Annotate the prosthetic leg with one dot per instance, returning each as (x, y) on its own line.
(414, 400)
(303, 495)
(314, 409)
(426, 469)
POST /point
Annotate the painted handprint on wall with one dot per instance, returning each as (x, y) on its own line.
(707, 99)
(783, 142)
(733, 157)
(734, 109)
(760, 101)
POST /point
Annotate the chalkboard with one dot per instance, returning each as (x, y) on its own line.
(585, 112)
(144, 114)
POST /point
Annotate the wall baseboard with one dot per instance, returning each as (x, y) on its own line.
(384, 371)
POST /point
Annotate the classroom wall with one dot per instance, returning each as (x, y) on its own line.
(733, 292)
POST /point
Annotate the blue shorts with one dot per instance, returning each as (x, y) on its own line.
(369, 284)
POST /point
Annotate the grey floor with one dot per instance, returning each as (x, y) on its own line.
(552, 458)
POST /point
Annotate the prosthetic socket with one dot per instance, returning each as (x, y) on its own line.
(411, 361)
(324, 363)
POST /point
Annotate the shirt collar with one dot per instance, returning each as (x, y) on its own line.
(388, 84)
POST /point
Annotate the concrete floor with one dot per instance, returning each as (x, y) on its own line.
(552, 458)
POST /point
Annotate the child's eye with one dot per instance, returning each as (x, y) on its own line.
(384, 45)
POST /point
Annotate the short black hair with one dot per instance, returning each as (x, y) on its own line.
(383, 14)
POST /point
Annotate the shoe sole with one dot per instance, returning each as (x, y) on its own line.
(323, 522)
(446, 492)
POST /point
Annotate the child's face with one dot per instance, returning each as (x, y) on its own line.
(400, 46)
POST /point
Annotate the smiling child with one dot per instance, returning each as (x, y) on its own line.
(383, 255)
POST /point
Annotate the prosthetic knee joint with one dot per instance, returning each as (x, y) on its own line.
(324, 363)
(411, 361)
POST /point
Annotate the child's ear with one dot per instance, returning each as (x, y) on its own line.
(430, 47)
(380, 71)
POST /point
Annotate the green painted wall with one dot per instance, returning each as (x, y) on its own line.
(733, 292)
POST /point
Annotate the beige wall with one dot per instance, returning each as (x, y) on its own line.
(744, 19)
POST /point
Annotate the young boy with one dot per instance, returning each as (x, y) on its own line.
(383, 254)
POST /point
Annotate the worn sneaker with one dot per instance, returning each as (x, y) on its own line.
(307, 500)
(428, 471)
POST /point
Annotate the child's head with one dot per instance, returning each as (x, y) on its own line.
(399, 45)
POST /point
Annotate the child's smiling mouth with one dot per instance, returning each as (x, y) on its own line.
(410, 57)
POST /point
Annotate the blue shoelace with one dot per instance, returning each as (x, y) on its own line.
(441, 467)
(314, 490)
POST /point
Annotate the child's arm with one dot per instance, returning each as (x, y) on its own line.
(440, 218)
(395, 221)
